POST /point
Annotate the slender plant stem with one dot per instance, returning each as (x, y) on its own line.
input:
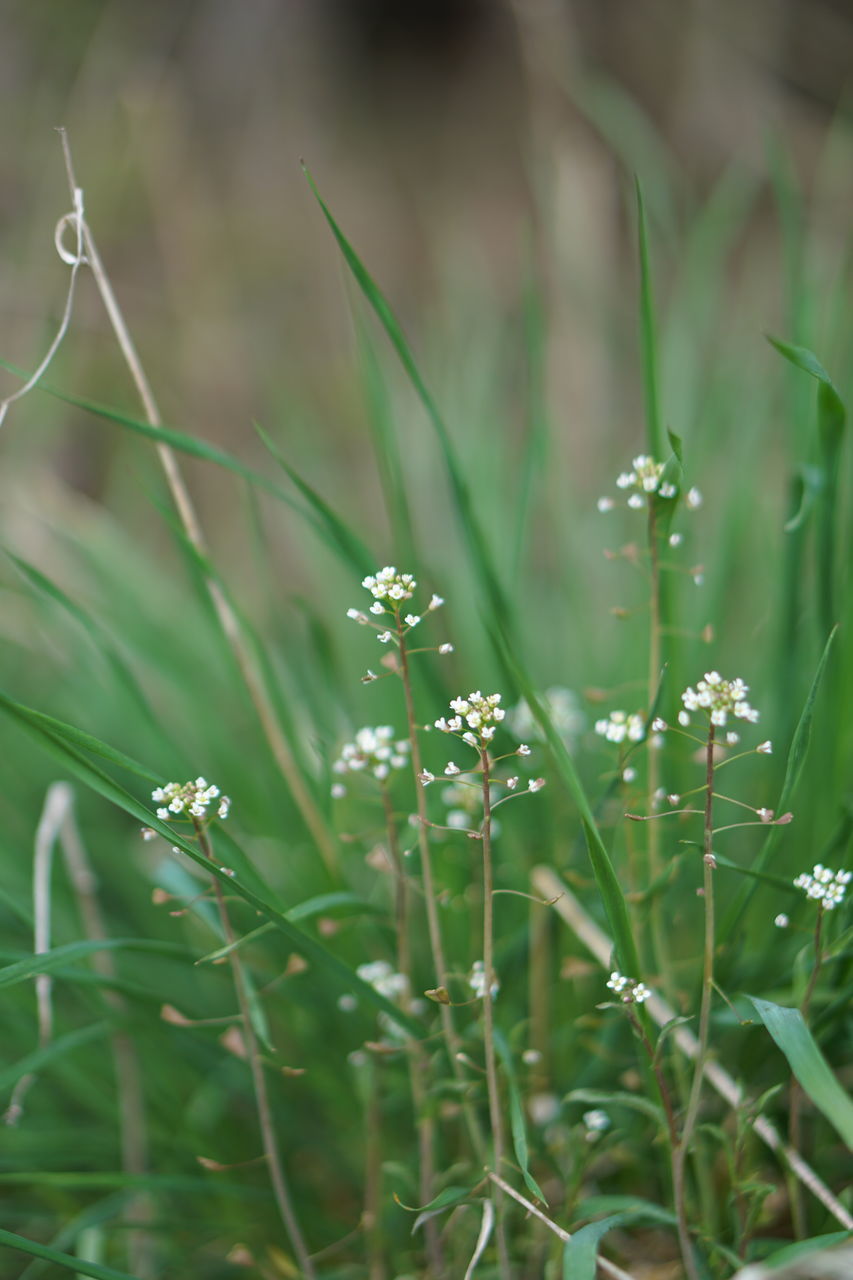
(228, 621)
(490, 977)
(798, 1207)
(418, 1066)
(451, 1037)
(262, 1102)
(704, 1012)
(373, 1176)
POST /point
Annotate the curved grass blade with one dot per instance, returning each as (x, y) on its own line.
(486, 1226)
(490, 584)
(41, 1058)
(62, 741)
(337, 534)
(59, 957)
(831, 420)
(336, 904)
(788, 1028)
(67, 1260)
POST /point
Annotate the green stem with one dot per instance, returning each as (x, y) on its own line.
(262, 1103)
(704, 1014)
(495, 1114)
(448, 1028)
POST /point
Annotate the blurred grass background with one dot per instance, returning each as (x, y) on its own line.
(480, 157)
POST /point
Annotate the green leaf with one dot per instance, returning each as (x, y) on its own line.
(800, 1248)
(444, 1200)
(581, 1252)
(789, 1030)
(67, 1260)
(516, 1117)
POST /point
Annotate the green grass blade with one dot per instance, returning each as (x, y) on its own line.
(337, 533)
(517, 1124)
(385, 446)
(535, 456)
(41, 1058)
(648, 339)
(605, 876)
(478, 550)
(62, 741)
(79, 1265)
(793, 771)
(59, 957)
(789, 1030)
(831, 421)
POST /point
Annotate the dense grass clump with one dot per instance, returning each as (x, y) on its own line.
(462, 891)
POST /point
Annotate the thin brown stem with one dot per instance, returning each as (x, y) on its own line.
(490, 978)
(252, 676)
(278, 1179)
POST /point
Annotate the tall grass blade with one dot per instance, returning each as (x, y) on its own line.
(490, 583)
(788, 1028)
(66, 1260)
(648, 338)
(44, 1057)
(516, 1117)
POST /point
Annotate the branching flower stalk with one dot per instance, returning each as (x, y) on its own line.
(192, 802)
(390, 589)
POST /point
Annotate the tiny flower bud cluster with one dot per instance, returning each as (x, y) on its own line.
(619, 725)
(645, 478)
(824, 886)
(477, 981)
(481, 713)
(388, 584)
(373, 751)
(720, 698)
(628, 991)
(595, 1123)
(189, 800)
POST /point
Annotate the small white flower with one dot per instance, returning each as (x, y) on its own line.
(629, 775)
(412, 619)
(357, 616)
(766, 815)
(823, 886)
(536, 784)
(163, 815)
(445, 648)
(148, 833)
(605, 504)
(675, 539)
(683, 718)
(347, 1003)
(523, 749)
(636, 501)
(698, 578)
(766, 748)
(781, 921)
(693, 499)
(384, 637)
(543, 1108)
(477, 981)
(435, 602)
(667, 490)
(531, 1057)
(451, 769)
(596, 1121)
(673, 800)
(377, 607)
(511, 783)
(659, 725)
(732, 739)
(338, 790)
(425, 777)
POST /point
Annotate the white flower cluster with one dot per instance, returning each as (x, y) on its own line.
(380, 975)
(373, 751)
(628, 991)
(189, 800)
(388, 584)
(477, 981)
(646, 477)
(720, 698)
(824, 886)
(481, 713)
(619, 725)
